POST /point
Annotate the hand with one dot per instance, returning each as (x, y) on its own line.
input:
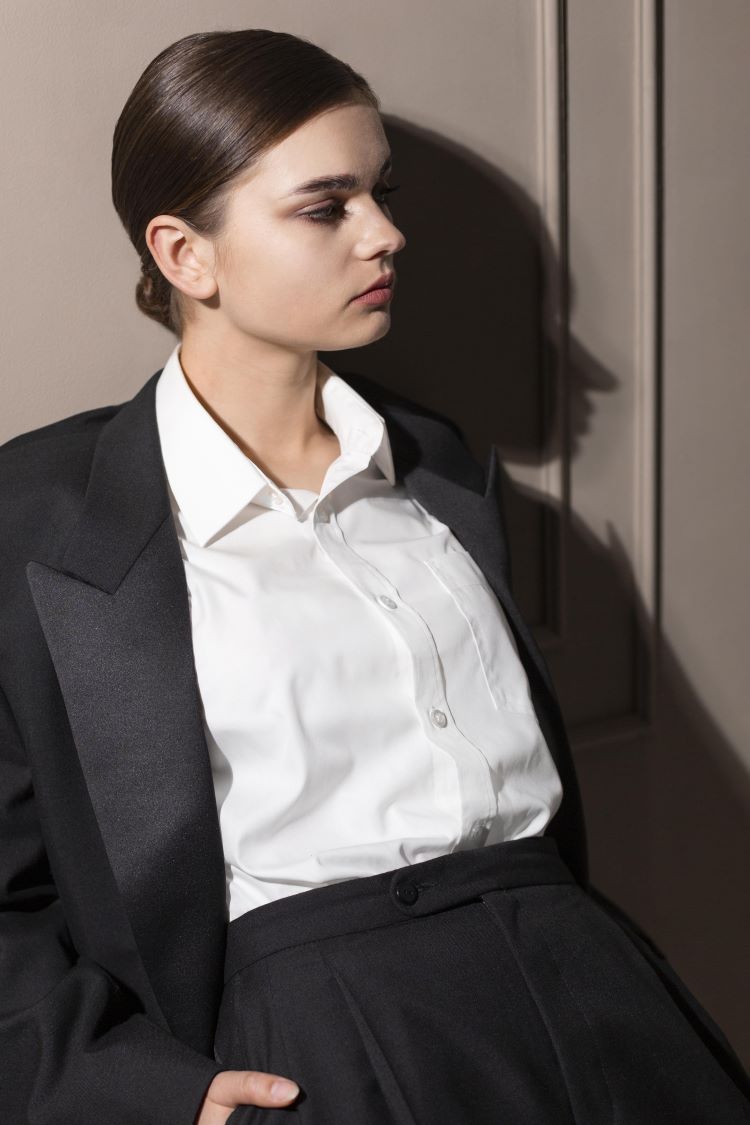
(231, 1088)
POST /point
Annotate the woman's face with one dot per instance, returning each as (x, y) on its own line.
(294, 259)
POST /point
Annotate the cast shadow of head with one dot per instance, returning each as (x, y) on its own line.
(472, 335)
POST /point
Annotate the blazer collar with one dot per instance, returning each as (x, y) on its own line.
(127, 496)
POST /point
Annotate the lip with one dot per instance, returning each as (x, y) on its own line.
(385, 281)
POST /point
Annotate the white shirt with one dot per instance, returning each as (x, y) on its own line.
(364, 704)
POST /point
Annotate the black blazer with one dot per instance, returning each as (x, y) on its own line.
(112, 883)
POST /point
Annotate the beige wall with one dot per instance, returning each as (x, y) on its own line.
(596, 333)
(702, 842)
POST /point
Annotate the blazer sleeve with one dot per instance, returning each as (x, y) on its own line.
(75, 1046)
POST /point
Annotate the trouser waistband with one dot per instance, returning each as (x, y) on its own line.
(391, 896)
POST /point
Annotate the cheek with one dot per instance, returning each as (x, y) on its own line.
(311, 264)
(288, 281)
(289, 258)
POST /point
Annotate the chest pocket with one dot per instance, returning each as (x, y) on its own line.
(494, 643)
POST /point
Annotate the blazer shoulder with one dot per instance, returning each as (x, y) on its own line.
(52, 450)
(84, 424)
(44, 473)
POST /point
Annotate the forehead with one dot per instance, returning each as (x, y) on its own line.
(347, 139)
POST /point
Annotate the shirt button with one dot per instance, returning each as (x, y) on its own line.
(386, 601)
(438, 718)
(276, 500)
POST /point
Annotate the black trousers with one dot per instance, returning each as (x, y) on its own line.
(484, 987)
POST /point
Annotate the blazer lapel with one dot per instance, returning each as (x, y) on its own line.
(115, 612)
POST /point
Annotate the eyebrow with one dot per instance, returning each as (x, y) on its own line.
(346, 182)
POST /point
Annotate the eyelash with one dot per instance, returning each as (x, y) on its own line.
(326, 214)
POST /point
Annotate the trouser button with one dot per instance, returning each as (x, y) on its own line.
(407, 893)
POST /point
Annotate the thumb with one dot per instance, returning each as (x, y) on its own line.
(251, 1087)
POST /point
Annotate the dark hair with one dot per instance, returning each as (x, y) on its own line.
(203, 111)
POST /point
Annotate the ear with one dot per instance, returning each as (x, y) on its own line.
(184, 257)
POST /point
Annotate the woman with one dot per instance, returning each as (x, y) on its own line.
(286, 789)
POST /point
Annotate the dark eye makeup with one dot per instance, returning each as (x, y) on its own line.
(330, 213)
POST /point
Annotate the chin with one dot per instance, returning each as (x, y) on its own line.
(377, 324)
(367, 333)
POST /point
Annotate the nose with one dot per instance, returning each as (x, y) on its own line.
(400, 241)
(384, 234)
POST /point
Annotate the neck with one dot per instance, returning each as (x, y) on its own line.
(267, 400)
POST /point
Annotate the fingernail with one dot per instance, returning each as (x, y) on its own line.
(283, 1088)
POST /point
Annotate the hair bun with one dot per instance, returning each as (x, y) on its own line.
(153, 294)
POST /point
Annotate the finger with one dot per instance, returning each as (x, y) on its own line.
(252, 1087)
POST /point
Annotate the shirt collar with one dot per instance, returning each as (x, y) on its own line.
(212, 479)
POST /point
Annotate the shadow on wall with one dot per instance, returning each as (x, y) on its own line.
(667, 813)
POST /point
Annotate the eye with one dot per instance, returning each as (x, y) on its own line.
(330, 213)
